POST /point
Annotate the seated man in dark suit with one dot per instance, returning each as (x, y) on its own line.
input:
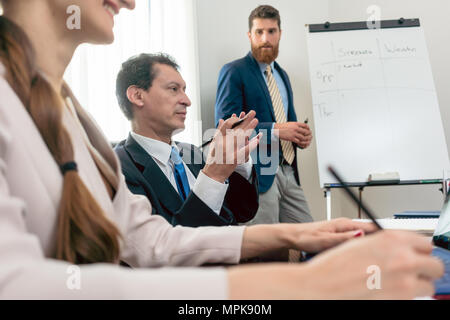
(181, 186)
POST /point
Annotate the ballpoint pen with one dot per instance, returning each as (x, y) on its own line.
(232, 127)
(305, 122)
(354, 198)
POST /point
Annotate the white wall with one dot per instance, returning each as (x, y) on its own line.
(222, 28)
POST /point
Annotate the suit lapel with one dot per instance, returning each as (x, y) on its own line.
(194, 169)
(254, 67)
(291, 112)
(153, 175)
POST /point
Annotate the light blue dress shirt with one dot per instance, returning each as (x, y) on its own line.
(281, 87)
(280, 84)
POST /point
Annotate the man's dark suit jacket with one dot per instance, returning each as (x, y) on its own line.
(143, 176)
(242, 87)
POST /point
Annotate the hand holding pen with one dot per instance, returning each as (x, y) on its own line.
(231, 146)
(243, 117)
(308, 138)
(295, 132)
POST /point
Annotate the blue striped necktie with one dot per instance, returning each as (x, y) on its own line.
(180, 174)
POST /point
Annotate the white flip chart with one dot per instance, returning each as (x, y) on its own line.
(375, 105)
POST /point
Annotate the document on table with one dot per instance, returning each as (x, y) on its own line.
(425, 226)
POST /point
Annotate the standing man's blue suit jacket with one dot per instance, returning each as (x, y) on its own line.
(143, 176)
(241, 87)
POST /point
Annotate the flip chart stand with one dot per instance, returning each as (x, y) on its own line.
(361, 186)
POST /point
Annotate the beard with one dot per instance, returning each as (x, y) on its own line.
(264, 55)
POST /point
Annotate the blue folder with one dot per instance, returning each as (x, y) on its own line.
(417, 215)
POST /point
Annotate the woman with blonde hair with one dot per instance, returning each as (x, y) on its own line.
(63, 200)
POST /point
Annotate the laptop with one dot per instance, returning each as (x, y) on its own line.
(441, 237)
(441, 240)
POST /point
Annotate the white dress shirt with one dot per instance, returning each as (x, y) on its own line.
(211, 192)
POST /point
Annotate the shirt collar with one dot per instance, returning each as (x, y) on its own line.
(157, 149)
(263, 66)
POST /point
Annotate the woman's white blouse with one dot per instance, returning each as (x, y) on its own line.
(30, 190)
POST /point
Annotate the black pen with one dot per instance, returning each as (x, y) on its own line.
(354, 198)
(232, 127)
(305, 122)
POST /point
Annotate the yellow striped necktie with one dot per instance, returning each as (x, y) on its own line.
(280, 115)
